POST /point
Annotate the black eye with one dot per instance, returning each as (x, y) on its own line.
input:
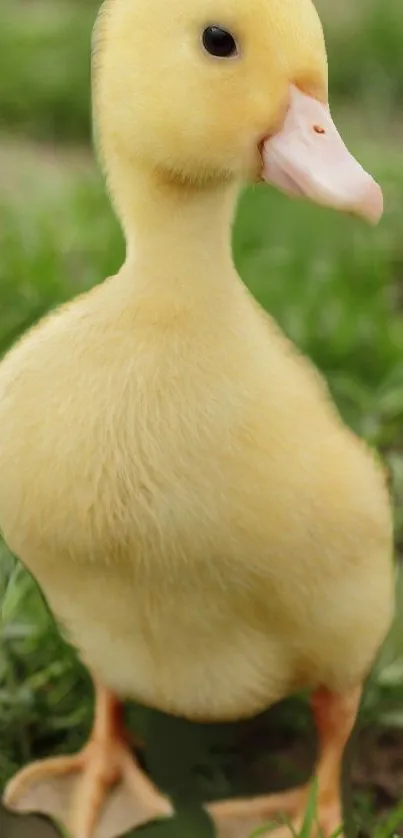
(220, 43)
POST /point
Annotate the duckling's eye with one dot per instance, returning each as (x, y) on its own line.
(219, 42)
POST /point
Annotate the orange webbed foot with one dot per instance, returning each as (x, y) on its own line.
(100, 792)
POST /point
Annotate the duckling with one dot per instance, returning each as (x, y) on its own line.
(172, 471)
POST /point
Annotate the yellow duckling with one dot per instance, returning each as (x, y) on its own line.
(172, 471)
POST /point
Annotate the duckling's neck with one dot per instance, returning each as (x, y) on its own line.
(178, 236)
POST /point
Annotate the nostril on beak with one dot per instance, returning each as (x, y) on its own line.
(319, 130)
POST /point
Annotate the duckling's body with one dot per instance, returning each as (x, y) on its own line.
(190, 474)
(172, 471)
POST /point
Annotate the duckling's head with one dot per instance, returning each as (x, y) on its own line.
(202, 92)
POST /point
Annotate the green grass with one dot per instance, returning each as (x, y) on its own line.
(334, 285)
(384, 829)
(45, 68)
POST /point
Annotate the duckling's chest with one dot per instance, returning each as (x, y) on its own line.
(140, 439)
(165, 494)
(133, 494)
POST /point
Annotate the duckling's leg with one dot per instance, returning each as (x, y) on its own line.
(335, 717)
(98, 793)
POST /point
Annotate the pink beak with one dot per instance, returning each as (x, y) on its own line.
(308, 158)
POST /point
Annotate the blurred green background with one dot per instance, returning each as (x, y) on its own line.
(335, 287)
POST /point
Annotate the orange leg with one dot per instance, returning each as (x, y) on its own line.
(83, 790)
(335, 717)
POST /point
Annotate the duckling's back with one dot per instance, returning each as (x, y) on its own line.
(200, 521)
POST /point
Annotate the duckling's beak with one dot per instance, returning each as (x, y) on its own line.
(308, 158)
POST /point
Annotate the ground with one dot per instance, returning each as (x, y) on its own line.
(335, 287)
